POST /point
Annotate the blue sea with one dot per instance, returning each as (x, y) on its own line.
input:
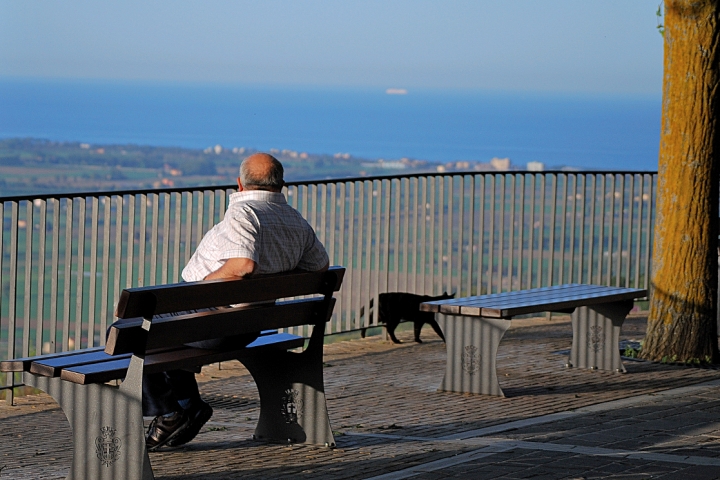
(589, 132)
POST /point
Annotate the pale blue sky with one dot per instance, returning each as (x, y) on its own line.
(581, 46)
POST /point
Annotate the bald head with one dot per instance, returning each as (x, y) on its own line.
(261, 171)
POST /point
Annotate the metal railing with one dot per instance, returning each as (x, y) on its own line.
(65, 258)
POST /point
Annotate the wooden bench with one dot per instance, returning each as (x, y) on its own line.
(107, 420)
(474, 326)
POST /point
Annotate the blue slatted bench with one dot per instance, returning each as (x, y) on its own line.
(474, 326)
(106, 419)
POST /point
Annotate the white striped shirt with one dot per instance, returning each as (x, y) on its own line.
(261, 226)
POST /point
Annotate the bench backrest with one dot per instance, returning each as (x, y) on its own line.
(264, 293)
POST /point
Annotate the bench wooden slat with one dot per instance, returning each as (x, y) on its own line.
(52, 367)
(145, 301)
(23, 364)
(170, 331)
(537, 302)
(186, 357)
(505, 298)
(508, 304)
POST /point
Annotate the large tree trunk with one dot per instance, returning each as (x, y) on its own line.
(682, 322)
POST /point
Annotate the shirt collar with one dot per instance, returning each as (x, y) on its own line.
(263, 195)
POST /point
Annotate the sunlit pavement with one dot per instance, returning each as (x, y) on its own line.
(656, 421)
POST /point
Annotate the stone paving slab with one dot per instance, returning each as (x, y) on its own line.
(391, 423)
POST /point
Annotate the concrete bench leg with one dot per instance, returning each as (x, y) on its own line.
(292, 394)
(107, 426)
(472, 344)
(596, 332)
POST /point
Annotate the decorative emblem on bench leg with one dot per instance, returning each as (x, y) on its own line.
(292, 406)
(596, 338)
(108, 446)
(471, 359)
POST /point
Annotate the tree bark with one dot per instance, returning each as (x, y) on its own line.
(682, 322)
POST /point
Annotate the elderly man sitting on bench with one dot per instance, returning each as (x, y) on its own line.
(260, 234)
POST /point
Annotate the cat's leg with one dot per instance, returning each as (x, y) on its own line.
(390, 326)
(437, 328)
(417, 326)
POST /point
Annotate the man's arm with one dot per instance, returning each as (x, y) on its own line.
(233, 268)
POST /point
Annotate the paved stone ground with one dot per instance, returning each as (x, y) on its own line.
(656, 421)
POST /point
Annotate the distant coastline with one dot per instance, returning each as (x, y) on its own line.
(30, 166)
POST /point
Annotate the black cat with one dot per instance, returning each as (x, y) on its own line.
(398, 306)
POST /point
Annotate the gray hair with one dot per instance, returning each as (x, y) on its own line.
(273, 180)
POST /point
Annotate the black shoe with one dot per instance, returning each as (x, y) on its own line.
(198, 416)
(164, 428)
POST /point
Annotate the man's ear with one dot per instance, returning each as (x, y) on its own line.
(240, 185)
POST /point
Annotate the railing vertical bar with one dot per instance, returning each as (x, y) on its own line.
(330, 247)
(611, 233)
(67, 272)
(458, 284)
(343, 303)
(189, 206)
(396, 236)
(511, 232)
(620, 234)
(638, 235)
(581, 215)
(54, 273)
(12, 300)
(501, 195)
(129, 270)
(433, 229)
(80, 264)
(480, 180)
(42, 233)
(352, 260)
(199, 230)
(629, 229)
(491, 235)
(9, 377)
(117, 277)
(408, 262)
(447, 278)
(377, 239)
(421, 262)
(649, 231)
(553, 218)
(176, 237)
(440, 205)
(601, 228)
(27, 286)
(152, 276)
(591, 233)
(541, 233)
(413, 209)
(221, 205)
(322, 211)
(104, 284)
(382, 258)
(531, 230)
(210, 218)
(165, 258)
(563, 224)
(573, 232)
(521, 230)
(365, 251)
(142, 231)
(92, 289)
(471, 237)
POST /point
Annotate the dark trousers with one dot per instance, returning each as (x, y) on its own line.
(163, 391)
